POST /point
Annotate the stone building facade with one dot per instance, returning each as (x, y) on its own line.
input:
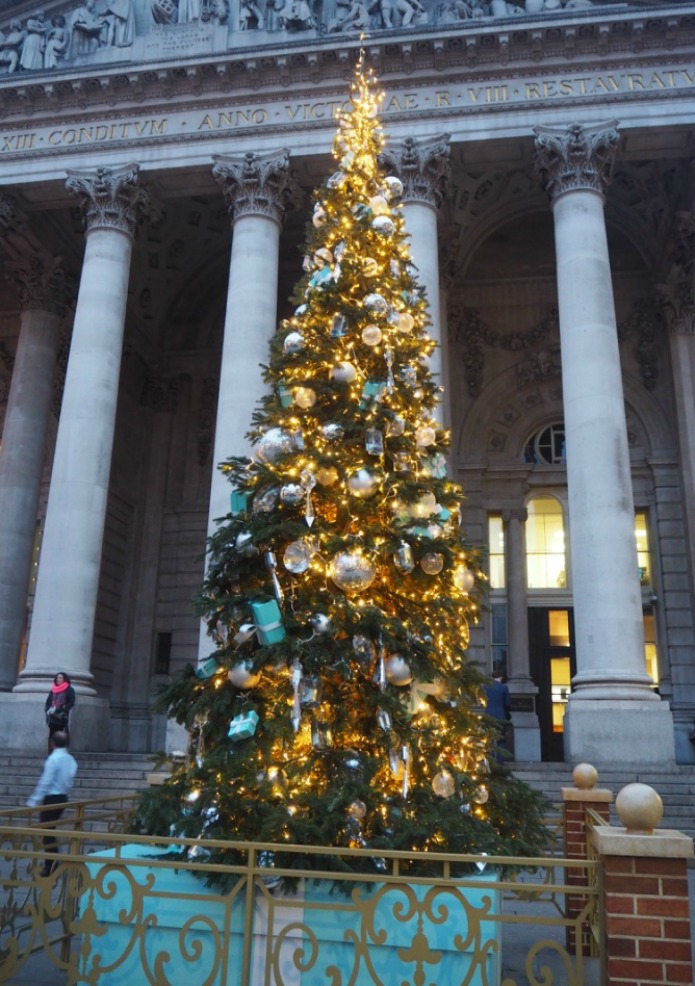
(157, 161)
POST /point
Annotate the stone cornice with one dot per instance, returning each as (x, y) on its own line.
(494, 43)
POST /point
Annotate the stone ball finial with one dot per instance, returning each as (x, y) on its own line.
(584, 776)
(639, 808)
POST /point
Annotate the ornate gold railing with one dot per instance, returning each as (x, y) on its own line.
(118, 909)
(596, 918)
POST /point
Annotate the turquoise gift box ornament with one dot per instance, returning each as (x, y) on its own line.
(268, 622)
(240, 501)
(243, 725)
(207, 668)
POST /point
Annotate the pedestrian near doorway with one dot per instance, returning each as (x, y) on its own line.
(499, 707)
(59, 703)
(53, 791)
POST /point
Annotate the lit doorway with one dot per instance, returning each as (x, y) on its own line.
(553, 665)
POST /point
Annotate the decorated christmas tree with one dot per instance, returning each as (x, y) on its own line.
(338, 707)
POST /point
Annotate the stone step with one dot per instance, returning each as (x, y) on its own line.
(676, 787)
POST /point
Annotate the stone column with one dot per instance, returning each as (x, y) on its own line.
(424, 167)
(612, 711)
(62, 626)
(257, 189)
(527, 735)
(44, 293)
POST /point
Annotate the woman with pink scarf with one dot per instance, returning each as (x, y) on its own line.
(59, 702)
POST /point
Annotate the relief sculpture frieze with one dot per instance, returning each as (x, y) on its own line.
(98, 32)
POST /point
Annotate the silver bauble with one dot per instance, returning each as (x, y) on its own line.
(323, 256)
(395, 426)
(297, 557)
(327, 475)
(357, 810)
(304, 397)
(350, 764)
(291, 494)
(343, 373)
(274, 443)
(394, 187)
(293, 344)
(463, 579)
(352, 572)
(425, 435)
(443, 784)
(376, 303)
(364, 648)
(481, 795)
(266, 500)
(398, 670)
(321, 623)
(406, 322)
(332, 432)
(244, 545)
(432, 563)
(384, 225)
(363, 483)
(379, 205)
(319, 216)
(243, 676)
(371, 335)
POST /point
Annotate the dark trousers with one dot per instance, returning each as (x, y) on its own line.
(53, 809)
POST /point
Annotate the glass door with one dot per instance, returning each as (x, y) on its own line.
(551, 642)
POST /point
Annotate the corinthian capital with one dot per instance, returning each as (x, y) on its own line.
(575, 157)
(675, 300)
(424, 167)
(42, 284)
(10, 217)
(256, 184)
(111, 198)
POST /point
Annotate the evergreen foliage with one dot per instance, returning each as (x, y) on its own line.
(340, 588)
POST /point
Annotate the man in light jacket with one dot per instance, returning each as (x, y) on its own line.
(53, 790)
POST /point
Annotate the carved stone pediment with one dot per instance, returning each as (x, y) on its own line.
(57, 36)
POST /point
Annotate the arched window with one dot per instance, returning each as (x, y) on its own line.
(546, 563)
(547, 446)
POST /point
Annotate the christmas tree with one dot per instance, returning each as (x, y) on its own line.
(338, 708)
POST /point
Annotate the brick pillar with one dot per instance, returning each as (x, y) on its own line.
(575, 801)
(646, 891)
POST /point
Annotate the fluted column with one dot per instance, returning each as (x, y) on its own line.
(257, 189)
(113, 202)
(612, 713)
(44, 292)
(424, 167)
(527, 737)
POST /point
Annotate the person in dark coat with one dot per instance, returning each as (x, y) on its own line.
(499, 707)
(59, 703)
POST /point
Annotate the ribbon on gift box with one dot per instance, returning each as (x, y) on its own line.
(243, 725)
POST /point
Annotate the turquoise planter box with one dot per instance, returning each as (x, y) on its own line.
(399, 936)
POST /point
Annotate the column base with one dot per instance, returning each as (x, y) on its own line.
(527, 737)
(23, 723)
(612, 732)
